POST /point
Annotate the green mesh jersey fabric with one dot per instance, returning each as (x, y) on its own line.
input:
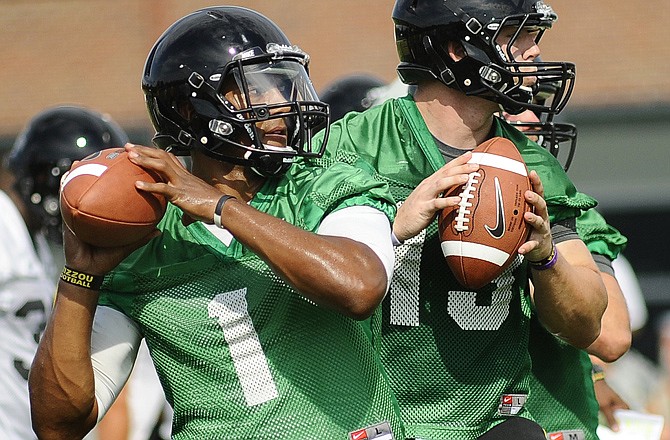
(451, 354)
(561, 382)
(600, 237)
(561, 385)
(239, 353)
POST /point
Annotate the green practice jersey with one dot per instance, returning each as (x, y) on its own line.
(240, 354)
(563, 396)
(457, 359)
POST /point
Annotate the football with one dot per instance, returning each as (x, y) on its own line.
(100, 204)
(480, 237)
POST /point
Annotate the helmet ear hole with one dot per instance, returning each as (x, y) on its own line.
(456, 50)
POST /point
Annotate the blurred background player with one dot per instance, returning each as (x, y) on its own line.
(42, 153)
(246, 296)
(355, 92)
(26, 295)
(31, 252)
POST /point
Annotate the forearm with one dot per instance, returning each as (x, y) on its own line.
(615, 335)
(62, 390)
(570, 298)
(336, 272)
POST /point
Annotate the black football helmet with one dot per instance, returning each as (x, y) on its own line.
(213, 51)
(46, 148)
(353, 92)
(424, 27)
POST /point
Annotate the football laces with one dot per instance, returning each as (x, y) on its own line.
(462, 218)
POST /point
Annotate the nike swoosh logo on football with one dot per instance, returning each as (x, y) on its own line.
(499, 229)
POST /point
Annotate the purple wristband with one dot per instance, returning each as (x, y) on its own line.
(548, 262)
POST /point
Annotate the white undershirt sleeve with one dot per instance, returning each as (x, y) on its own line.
(114, 344)
(366, 225)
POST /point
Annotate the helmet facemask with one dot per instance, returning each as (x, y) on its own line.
(260, 93)
(504, 77)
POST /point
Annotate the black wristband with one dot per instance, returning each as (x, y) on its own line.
(219, 207)
(81, 279)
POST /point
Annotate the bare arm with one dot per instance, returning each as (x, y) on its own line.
(116, 424)
(62, 387)
(61, 381)
(337, 272)
(615, 335)
(570, 297)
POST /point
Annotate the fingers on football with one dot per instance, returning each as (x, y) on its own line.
(162, 165)
(536, 182)
(446, 202)
(538, 203)
(460, 160)
(445, 184)
(535, 221)
(452, 169)
(528, 246)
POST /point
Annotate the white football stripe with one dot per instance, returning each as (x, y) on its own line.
(474, 250)
(93, 169)
(496, 161)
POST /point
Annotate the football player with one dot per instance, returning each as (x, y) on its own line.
(568, 405)
(250, 292)
(30, 248)
(457, 359)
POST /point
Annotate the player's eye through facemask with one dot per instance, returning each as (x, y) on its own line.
(274, 95)
(528, 76)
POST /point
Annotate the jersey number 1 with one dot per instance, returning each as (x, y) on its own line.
(251, 365)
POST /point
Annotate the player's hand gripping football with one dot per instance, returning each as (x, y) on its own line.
(94, 260)
(191, 194)
(420, 208)
(539, 243)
